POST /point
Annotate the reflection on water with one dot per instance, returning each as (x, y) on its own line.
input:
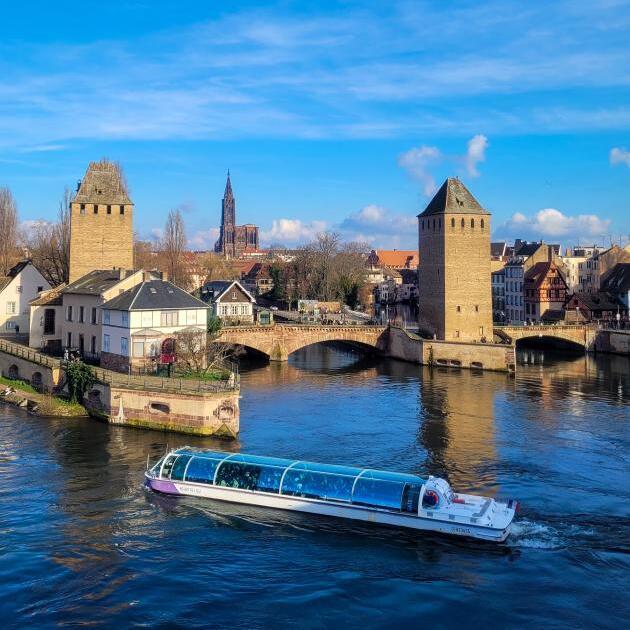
(83, 542)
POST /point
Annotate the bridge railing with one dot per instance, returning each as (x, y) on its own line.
(24, 352)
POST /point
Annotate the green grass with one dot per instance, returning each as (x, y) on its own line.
(18, 384)
(214, 375)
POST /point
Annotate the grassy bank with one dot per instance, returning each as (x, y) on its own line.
(39, 404)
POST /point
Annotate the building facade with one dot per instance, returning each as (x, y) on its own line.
(141, 325)
(229, 301)
(101, 222)
(455, 297)
(234, 240)
(18, 288)
(545, 292)
(597, 266)
(498, 295)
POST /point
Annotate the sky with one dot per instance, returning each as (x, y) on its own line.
(341, 116)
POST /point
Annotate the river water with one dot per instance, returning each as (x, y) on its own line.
(83, 543)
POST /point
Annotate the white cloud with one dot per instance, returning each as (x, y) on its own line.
(373, 222)
(620, 156)
(417, 161)
(204, 239)
(292, 231)
(552, 223)
(476, 153)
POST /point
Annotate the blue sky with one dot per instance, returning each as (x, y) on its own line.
(330, 115)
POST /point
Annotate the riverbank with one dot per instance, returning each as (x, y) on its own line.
(21, 394)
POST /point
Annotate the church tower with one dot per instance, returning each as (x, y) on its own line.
(101, 221)
(455, 295)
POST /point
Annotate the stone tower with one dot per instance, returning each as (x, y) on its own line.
(234, 240)
(455, 294)
(101, 222)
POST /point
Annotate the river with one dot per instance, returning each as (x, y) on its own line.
(83, 542)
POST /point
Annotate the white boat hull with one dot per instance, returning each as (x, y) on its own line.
(340, 510)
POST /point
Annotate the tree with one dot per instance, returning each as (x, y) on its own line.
(8, 231)
(144, 255)
(49, 244)
(173, 249)
(80, 378)
(197, 357)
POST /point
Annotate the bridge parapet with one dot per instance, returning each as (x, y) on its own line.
(580, 334)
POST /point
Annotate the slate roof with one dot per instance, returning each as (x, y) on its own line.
(453, 198)
(153, 295)
(103, 183)
(595, 302)
(52, 297)
(527, 249)
(618, 279)
(498, 249)
(212, 291)
(13, 272)
(97, 281)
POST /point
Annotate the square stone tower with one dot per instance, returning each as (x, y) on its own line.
(101, 222)
(455, 293)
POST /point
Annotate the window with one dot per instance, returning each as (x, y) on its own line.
(106, 317)
(224, 309)
(125, 318)
(452, 223)
(93, 345)
(169, 318)
(476, 308)
(138, 349)
(95, 208)
(69, 340)
(19, 288)
(459, 309)
(472, 223)
(124, 346)
(106, 341)
(10, 325)
(81, 314)
(49, 321)
(482, 224)
(463, 224)
(109, 209)
(11, 308)
(423, 224)
(69, 314)
(122, 209)
(439, 224)
(94, 318)
(82, 210)
(40, 289)
(234, 309)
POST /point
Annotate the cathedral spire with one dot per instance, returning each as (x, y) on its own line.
(228, 186)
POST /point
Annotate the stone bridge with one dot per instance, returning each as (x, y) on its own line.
(582, 335)
(280, 340)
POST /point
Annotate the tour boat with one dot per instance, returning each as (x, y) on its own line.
(363, 494)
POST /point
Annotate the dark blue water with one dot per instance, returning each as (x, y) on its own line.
(82, 543)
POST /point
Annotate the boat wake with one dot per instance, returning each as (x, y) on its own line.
(533, 535)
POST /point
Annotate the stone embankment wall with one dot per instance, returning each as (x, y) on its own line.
(202, 413)
(167, 404)
(484, 356)
(615, 341)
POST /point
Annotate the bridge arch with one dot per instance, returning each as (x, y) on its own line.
(559, 342)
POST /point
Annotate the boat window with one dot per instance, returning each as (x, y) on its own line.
(328, 468)
(156, 467)
(384, 494)
(317, 485)
(262, 460)
(410, 498)
(236, 475)
(201, 469)
(269, 479)
(179, 467)
(168, 464)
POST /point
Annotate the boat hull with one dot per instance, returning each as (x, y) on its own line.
(325, 508)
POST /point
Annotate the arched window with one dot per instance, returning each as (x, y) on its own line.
(434, 225)
(482, 224)
(423, 224)
(463, 224)
(452, 223)
(439, 224)
(472, 223)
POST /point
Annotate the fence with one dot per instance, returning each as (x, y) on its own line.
(118, 379)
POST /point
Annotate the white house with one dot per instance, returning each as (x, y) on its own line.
(229, 300)
(22, 284)
(140, 326)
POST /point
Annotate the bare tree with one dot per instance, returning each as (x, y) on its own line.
(197, 357)
(173, 249)
(144, 254)
(49, 244)
(8, 230)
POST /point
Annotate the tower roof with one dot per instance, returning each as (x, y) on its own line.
(453, 198)
(103, 183)
(228, 186)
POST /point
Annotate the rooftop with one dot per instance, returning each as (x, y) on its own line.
(153, 295)
(98, 281)
(618, 280)
(395, 258)
(103, 183)
(52, 297)
(453, 198)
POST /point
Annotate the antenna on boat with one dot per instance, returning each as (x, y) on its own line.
(147, 468)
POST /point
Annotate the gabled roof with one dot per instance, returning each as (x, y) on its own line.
(153, 295)
(618, 279)
(103, 183)
(527, 249)
(12, 273)
(213, 291)
(51, 297)
(396, 258)
(453, 198)
(594, 301)
(537, 274)
(98, 281)
(498, 249)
